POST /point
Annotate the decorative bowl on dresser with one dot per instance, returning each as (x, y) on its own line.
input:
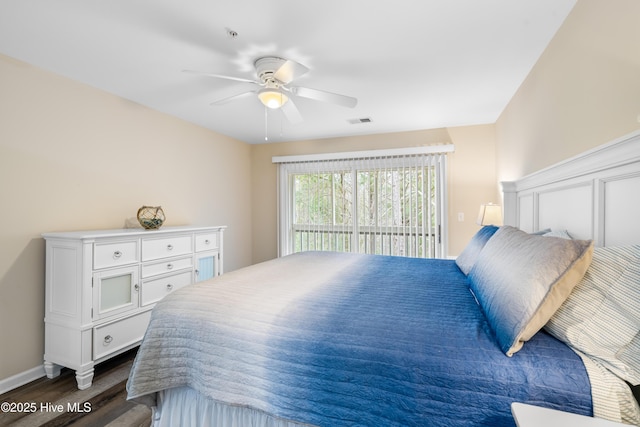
(100, 287)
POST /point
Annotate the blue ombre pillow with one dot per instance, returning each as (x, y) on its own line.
(470, 253)
(520, 280)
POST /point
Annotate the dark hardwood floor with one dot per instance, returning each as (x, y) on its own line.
(58, 402)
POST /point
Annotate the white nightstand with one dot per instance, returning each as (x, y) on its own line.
(536, 416)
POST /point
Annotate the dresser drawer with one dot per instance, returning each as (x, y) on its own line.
(167, 247)
(155, 290)
(206, 242)
(115, 336)
(114, 254)
(167, 266)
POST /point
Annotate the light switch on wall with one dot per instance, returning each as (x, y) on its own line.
(460, 216)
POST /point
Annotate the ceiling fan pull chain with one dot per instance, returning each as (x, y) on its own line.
(266, 129)
(281, 125)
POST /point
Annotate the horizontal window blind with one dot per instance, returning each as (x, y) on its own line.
(388, 202)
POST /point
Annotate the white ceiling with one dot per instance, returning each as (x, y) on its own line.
(412, 64)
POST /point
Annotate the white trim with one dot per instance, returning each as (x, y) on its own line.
(350, 155)
(22, 378)
(616, 153)
(282, 206)
(582, 185)
(443, 233)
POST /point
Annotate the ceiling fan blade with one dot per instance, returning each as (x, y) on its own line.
(291, 112)
(289, 71)
(220, 76)
(321, 95)
(233, 97)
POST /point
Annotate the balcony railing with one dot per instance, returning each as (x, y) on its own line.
(392, 240)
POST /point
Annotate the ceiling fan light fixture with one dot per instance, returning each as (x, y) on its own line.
(272, 98)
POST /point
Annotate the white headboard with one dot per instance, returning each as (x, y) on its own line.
(595, 195)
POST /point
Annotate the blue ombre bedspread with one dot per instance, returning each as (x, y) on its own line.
(334, 339)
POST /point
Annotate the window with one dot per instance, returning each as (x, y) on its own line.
(388, 202)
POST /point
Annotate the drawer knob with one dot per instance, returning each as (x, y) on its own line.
(169, 247)
(136, 287)
(169, 286)
(169, 266)
(108, 339)
(117, 254)
(207, 242)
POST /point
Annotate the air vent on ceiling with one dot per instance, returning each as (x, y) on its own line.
(357, 121)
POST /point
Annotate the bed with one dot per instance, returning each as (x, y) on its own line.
(333, 339)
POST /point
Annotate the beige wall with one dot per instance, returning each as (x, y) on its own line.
(75, 158)
(471, 177)
(472, 181)
(584, 90)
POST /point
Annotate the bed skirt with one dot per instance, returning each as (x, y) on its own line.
(183, 406)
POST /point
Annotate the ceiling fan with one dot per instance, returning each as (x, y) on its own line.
(274, 90)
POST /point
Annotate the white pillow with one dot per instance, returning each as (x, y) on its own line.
(601, 317)
(563, 234)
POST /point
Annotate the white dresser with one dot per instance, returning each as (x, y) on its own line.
(101, 286)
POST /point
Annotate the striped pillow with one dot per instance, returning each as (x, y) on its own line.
(601, 317)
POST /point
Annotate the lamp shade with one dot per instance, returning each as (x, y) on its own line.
(272, 98)
(490, 214)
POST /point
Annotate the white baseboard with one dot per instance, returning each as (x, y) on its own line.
(22, 378)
